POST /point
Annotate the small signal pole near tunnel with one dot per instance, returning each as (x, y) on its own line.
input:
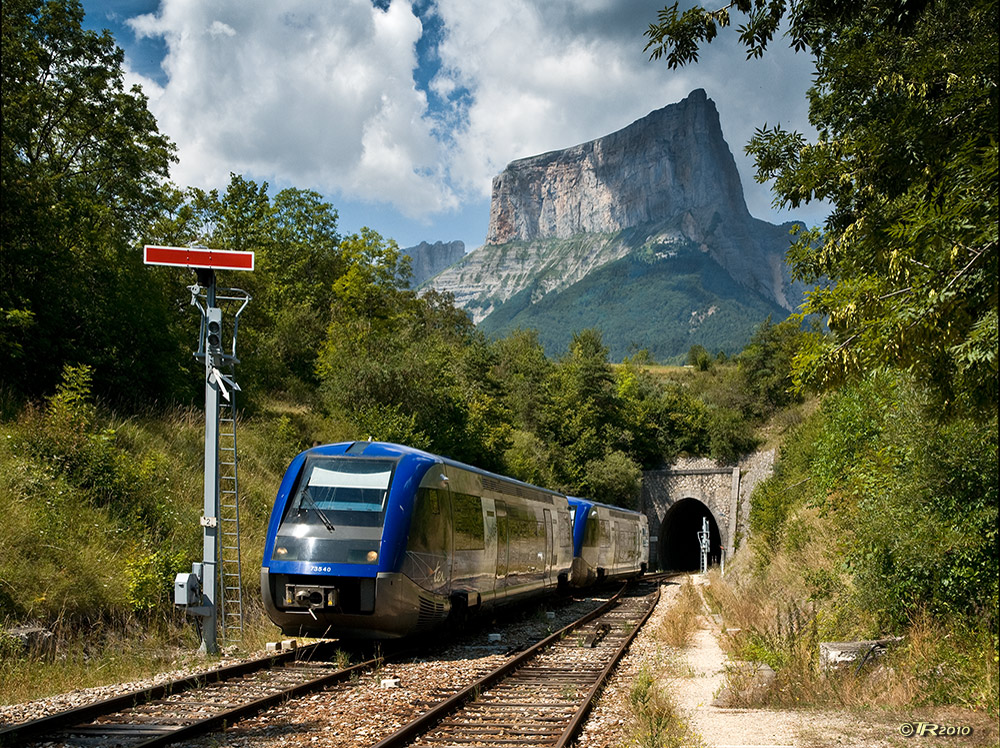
(212, 591)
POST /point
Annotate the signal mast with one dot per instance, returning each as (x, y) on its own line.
(212, 590)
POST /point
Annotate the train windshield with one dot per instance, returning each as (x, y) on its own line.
(344, 485)
(337, 510)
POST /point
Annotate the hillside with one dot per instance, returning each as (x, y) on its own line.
(662, 301)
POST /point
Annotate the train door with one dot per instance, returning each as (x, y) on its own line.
(502, 550)
(448, 568)
(487, 578)
(643, 544)
(550, 546)
(617, 546)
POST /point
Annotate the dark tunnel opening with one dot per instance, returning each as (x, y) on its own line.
(679, 549)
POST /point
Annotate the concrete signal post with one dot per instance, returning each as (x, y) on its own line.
(200, 591)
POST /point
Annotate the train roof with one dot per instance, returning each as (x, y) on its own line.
(389, 449)
(578, 501)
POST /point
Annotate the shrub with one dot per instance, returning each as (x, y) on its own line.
(613, 479)
(149, 580)
(656, 722)
(731, 435)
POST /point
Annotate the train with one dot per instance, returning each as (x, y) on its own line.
(373, 540)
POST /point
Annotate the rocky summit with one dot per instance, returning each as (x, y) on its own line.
(427, 260)
(657, 211)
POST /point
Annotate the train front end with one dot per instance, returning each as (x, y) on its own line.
(336, 540)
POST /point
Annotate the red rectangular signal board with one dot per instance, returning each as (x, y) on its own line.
(198, 257)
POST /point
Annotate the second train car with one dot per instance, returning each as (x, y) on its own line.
(608, 542)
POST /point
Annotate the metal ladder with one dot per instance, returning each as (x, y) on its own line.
(230, 571)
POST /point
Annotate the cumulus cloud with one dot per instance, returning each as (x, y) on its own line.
(545, 76)
(325, 95)
(313, 93)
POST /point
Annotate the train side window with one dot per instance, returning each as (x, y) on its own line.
(426, 528)
(592, 531)
(605, 534)
(470, 533)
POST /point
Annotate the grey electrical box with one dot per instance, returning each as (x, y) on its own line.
(187, 589)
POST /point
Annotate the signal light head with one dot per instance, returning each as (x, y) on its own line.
(214, 336)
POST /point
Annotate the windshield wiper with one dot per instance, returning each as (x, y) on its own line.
(323, 518)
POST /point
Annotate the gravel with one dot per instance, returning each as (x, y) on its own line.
(361, 713)
(358, 713)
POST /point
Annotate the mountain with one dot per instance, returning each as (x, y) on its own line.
(427, 260)
(643, 233)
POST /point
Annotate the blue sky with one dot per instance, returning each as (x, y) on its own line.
(401, 113)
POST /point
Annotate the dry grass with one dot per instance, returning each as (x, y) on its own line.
(682, 617)
(776, 614)
(116, 652)
(654, 720)
(107, 652)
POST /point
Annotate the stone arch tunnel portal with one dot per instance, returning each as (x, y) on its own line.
(679, 549)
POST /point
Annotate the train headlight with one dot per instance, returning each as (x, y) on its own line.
(280, 551)
(372, 557)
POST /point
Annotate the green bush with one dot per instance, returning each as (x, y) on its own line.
(149, 580)
(917, 496)
(731, 435)
(613, 479)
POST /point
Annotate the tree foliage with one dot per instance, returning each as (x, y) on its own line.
(81, 161)
(298, 258)
(904, 101)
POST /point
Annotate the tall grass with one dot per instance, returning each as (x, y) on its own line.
(655, 721)
(682, 617)
(99, 513)
(113, 650)
(777, 613)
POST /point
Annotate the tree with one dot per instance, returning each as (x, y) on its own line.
(396, 364)
(905, 104)
(584, 401)
(699, 358)
(764, 368)
(82, 164)
(297, 260)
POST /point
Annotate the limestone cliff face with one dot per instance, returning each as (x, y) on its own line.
(672, 163)
(427, 260)
(667, 182)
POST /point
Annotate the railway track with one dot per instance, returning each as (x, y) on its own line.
(188, 707)
(542, 696)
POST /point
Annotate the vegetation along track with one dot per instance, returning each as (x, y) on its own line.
(188, 707)
(542, 696)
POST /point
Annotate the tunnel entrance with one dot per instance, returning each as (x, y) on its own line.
(679, 550)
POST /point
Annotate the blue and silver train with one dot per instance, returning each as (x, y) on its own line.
(379, 541)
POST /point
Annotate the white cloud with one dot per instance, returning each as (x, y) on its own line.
(317, 94)
(321, 94)
(550, 75)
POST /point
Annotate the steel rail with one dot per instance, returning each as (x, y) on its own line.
(20, 733)
(576, 723)
(220, 720)
(434, 715)
(439, 713)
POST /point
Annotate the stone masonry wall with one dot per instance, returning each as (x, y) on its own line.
(724, 489)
